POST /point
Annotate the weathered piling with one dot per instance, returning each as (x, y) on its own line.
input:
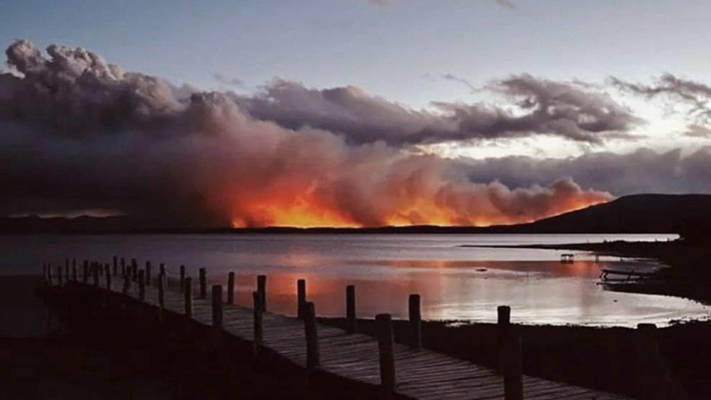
(258, 324)
(231, 288)
(161, 269)
(351, 320)
(115, 265)
(126, 284)
(188, 297)
(108, 277)
(134, 269)
(141, 285)
(415, 321)
(217, 307)
(182, 278)
(313, 359)
(503, 314)
(148, 273)
(384, 326)
(301, 297)
(161, 292)
(203, 283)
(95, 274)
(262, 289)
(512, 365)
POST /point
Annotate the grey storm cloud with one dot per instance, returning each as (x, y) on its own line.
(79, 133)
(642, 171)
(542, 107)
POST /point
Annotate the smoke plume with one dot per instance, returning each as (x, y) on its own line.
(79, 133)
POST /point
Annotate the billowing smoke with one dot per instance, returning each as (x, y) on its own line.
(78, 133)
(541, 107)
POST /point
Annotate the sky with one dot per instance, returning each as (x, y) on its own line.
(607, 96)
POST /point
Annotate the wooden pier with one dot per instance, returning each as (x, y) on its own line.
(397, 369)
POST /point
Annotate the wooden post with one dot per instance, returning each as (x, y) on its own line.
(415, 320)
(115, 265)
(262, 289)
(312, 351)
(503, 321)
(123, 266)
(96, 274)
(86, 271)
(182, 278)
(188, 297)
(134, 269)
(301, 297)
(351, 320)
(108, 277)
(59, 275)
(141, 285)
(148, 273)
(231, 288)
(512, 366)
(258, 324)
(217, 307)
(161, 292)
(49, 273)
(654, 381)
(74, 270)
(161, 268)
(384, 325)
(203, 283)
(66, 269)
(126, 284)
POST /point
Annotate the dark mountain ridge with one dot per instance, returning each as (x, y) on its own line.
(643, 213)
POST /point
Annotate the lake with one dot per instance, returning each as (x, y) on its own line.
(455, 282)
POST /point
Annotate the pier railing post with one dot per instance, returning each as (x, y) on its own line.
(126, 284)
(95, 271)
(85, 266)
(415, 320)
(148, 273)
(141, 285)
(231, 288)
(313, 359)
(188, 291)
(203, 283)
(108, 277)
(262, 289)
(351, 320)
(503, 320)
(512, 365)
(654, 382)
(134, 269)
(182, 279)
(300, 297)
(217, 307)
(161, 294)
(384, 325)
(258, 324)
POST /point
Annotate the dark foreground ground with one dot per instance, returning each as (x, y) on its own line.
(114, 358)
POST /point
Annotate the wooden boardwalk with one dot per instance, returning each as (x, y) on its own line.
(420, 374)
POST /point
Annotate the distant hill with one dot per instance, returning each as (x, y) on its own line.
(644, 213)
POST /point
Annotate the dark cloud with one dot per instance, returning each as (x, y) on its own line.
(78, 133)
(643, 171)
(540, 107)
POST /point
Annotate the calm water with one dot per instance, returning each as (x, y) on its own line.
(455, 282)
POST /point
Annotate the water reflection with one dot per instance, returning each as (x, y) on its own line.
(455, 282)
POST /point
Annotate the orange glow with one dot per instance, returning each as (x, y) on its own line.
(307, 211)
